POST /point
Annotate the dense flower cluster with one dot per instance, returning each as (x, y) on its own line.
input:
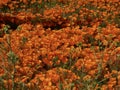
(66, 44)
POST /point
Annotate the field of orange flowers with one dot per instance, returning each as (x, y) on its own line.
(59, 44)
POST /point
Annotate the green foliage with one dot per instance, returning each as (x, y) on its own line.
(12, 57)
(60, 85)
(5, 9)
(100, 44)
(117, 44)
(10, 69)
(19, 28)
(55, 59)
(5, 30)
(24, 40)
(117, 20)
(79, 44)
